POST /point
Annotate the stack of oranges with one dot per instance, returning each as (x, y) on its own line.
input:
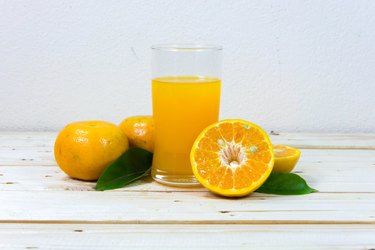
(84, 149)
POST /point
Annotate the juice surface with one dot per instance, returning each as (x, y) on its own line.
(182, 107)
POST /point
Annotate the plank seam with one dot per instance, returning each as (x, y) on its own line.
(201, 222)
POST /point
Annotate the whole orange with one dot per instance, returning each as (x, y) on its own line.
(140, 131)
(84, 149)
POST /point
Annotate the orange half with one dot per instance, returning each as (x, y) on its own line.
(232, 157)
(286, 158)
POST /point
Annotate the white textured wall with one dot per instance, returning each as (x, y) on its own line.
(288, 65)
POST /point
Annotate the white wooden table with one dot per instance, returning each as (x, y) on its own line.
(42, 208)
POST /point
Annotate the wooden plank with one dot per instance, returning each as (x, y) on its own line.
(94, 236)
(301, 140)
(325, 170)
(27, 139)
(26, 157)
(37, 148)
(184, 207)
(325, 141)
(325, 176)
(29, 156)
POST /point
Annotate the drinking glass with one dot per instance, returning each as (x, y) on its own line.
(186, 83)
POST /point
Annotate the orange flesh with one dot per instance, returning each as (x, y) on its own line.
(233, 155)
(282, 151)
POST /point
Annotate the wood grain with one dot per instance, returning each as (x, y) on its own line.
(43, 208)
(326, 170)
(185, 207)
(99, 236)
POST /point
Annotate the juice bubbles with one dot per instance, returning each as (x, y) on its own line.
(182, 107)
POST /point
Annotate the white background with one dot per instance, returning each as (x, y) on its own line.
(288, 65)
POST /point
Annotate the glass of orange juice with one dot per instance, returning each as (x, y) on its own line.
(186, 82)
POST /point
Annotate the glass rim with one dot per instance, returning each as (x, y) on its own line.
(186, 47)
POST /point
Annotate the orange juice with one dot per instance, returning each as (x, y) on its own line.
(182, 107)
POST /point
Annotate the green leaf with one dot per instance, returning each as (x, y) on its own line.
(285, 184)
(130, 166)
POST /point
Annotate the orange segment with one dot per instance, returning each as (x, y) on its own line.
(238, 132)
(216, 176)
(226, 131)
(232, 157)
(286, 158)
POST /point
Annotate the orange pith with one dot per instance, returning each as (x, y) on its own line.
(232, 157)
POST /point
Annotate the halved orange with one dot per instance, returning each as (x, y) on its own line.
(232, 157)
(286, 158)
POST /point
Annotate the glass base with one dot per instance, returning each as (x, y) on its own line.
(174, 180)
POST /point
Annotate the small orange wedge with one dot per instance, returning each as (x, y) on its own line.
(286, 158)
(232, 157)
